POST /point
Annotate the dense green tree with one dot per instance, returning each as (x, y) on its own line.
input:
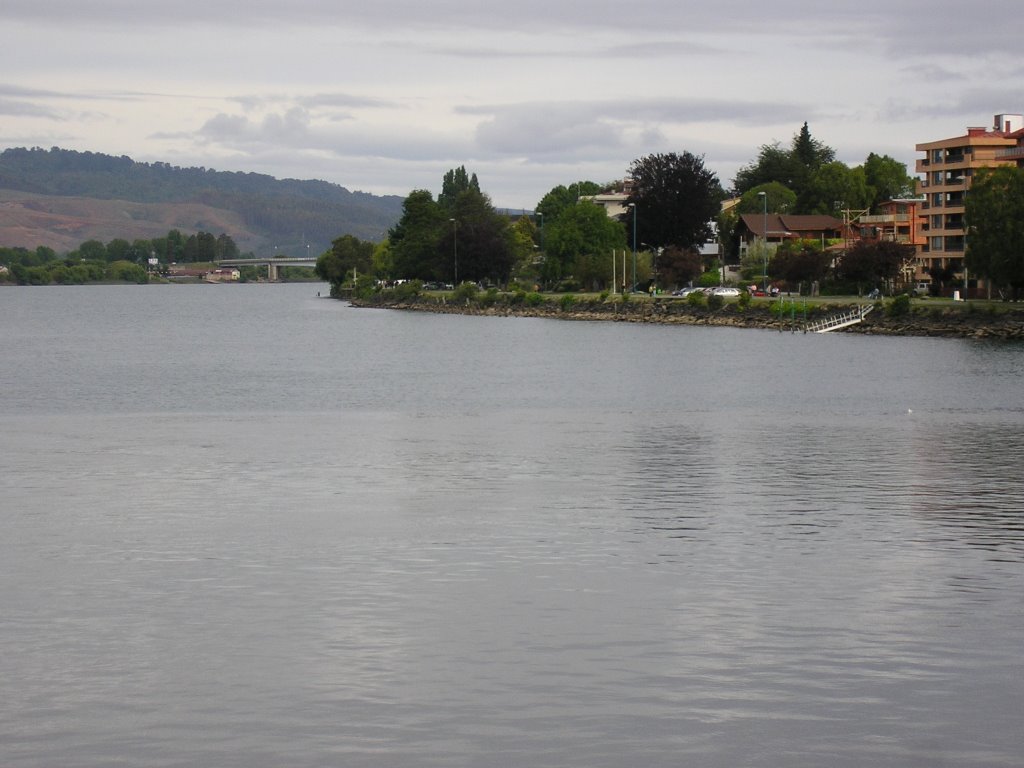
(126, 271)
(347, 253)
(455, 182)
(383, 260)
(780, 199)
(580, 243)
(994, 212)
(793, 167)
(524, 244)
(226, 247)
(118, 250)
(200, 247)
(562, 197)
(887, 179)
(416, 238)
(833, 187)
(809, 152)
(92, 249)
(44, 254)
(676, 199)
(774, 164)
(482, 237)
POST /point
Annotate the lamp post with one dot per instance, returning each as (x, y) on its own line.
(633, 287)
(764, 198)
(455, 249)
(541, 216)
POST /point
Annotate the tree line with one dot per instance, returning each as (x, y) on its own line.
(672, 207)
(116, 260)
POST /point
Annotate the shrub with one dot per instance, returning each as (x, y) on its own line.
(709, 279)
(533, 299)
(743, 301)
(567, 302)
(715, 302)
(517, 297)
(697, 299)
(465, 292)
(899, 306)
(408, 290)
(489, 298)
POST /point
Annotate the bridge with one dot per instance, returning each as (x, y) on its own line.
(272, 263)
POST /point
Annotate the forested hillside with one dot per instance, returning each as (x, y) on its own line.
(271, 214)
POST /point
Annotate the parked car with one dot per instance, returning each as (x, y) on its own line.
(687, 291)
(726, 291)
(922, 289)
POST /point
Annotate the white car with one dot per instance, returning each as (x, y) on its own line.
(725, 291)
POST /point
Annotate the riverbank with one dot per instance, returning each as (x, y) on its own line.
(958, 321)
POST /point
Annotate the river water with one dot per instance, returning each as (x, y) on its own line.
(247, 526)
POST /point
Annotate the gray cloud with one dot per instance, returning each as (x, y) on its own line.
(913, 26)
(14, 107)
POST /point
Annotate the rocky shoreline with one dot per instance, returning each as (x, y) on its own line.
(966, 322)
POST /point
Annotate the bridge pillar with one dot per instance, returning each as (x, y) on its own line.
(272, 272)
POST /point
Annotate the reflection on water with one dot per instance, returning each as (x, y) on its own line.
(457, 541)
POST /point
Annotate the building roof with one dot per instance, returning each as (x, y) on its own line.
(788, 225)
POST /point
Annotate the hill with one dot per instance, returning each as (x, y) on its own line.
(60, 198)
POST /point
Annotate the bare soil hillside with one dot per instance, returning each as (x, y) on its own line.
(63, 223)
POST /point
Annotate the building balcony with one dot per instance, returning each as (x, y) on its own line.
(1013, 153)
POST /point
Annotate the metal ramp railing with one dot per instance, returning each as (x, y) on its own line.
(836, 322)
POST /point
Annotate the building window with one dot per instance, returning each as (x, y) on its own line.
(937, 199)
(936, 177)
(936, 155)
(935, 243)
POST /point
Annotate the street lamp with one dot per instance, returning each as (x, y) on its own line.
(455, 248)
(633, 206)
(764, 198)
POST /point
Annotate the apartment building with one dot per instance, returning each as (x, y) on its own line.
(945, 173)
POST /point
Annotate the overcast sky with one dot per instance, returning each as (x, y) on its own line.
(384, 96)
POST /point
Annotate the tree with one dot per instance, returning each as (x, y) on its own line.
(383, 260)
(580, 243)
(118, 250)
(226, 247)
(481, 235)
(93, 249)
(809, 152)
(874, 262)
(994, 212)
(347, 253)
(679, 266)
(454, 183)
(802, 261)
(563, 197)
(676, 199)
(416, 237)
(835, 183)
(524, 244)
(887, 178)
(780, 199)
(793, 167)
